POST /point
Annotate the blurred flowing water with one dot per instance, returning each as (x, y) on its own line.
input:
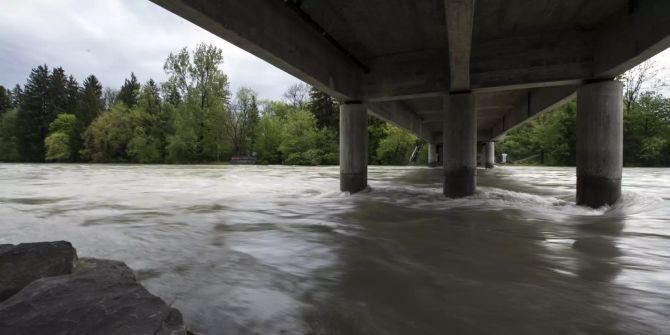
(278, 250)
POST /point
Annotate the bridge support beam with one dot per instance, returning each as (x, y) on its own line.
(599, 143)
(432, 154)
(490, 157)
(353, 147)
(460, 145)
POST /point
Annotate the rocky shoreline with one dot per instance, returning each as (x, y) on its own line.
(46, 289)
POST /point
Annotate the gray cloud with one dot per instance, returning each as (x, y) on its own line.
(112, 38)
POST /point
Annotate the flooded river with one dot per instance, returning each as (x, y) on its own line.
(278, 250)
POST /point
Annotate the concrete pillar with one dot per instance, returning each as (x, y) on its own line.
(482, 155)
(460, 145)
(353, 147)
(490, 157)
(599, 143)
(432, 154)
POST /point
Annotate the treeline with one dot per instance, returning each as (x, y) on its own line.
(550, 138)
(191, 118)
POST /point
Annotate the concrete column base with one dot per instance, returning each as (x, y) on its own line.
(597, 191)
(353, 182)
(460, 183)
(353, 147)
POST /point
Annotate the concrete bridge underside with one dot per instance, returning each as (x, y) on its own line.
(455, 72)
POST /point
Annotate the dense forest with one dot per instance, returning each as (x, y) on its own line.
(549, 139)
(191, 118)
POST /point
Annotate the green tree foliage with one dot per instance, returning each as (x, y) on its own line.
(57, 95)
(9, 137)
(188, 119)
(242, 121)
(396, 147)
(5, 99)
(129, 93)
(268, 134)
(200, 91)
(647, 131)
(548, 139)
(91, 101)
(34, 115)
(376, 132)
(325, 110)
(106, 139)
(303, 143)
(17, 94)
(58, 144)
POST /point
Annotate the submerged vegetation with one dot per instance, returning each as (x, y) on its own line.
(191, 118)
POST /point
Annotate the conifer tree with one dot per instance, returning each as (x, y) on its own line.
(130, 91)
(5, 100)
(33, 118)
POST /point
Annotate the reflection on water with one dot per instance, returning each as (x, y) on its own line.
(277, 250)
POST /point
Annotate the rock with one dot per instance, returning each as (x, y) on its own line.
(100, 297)
(22, 264)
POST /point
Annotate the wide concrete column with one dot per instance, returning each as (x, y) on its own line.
(353, 147)
(490, 157)
(432, 154)
(599, 143)
(460, 145)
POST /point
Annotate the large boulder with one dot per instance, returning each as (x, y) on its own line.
(22, 264)
(99, 297)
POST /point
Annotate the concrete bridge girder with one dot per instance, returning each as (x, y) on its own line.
(402, 60)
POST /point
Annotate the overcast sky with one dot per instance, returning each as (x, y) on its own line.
(111, 38)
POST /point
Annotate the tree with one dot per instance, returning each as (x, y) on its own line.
(643, 77)
(198, 73)
(5, 100)
(647, 131)
(34, 116)
(109, 97)
(129, 92)
(297, 95)
(106, 139)
(376, 132)
(396, 147)
(17, 94)
(305, 144)
(91, 101)
(199, 88)
(58, 145)
(268, 137)
(149, 99)
(72, 92)
(8, 136)
(325, 109)
(242, 120)
(57, 95)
